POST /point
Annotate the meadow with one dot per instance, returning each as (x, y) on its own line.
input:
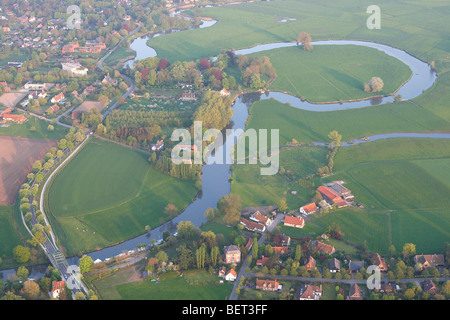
(416, 26)
(109, 193)
(169, 288)
(34, 128)
(334, 73)
(9, 237)
(309, 126)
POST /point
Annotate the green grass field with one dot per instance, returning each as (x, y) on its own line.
(307, 126)
(255, 189)
(34, 128)
(109, 193)
(401, 183)
(171, 288)
(9, 237)
(416, 26)
(334, 73)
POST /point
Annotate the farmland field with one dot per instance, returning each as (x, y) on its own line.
(334, 73)
(109, 193)
(17, 157)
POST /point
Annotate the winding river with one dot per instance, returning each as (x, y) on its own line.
(215, 177)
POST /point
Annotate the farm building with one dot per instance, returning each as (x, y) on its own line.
(258, 217)
(7, 116)
(308, 209)
(295, 222)
(253, 226)
(331, 196)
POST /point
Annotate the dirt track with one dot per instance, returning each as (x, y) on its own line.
(17, 156)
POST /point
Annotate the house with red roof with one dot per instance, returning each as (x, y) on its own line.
(231, 275)
(310, 292)
(258, 217)
(378, 261)
(7, 116)
(331, 196)
(262, 262)
(308, 209)
(310, 263)
(322, 247)
(296, 222)
(58, 288)
(58, 98)
(252, 226)
(267, 285)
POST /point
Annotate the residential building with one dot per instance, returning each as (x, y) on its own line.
(335, 265)
(430, 260)
(253, 226)
(58, 98)
(258, 217)
(231, 275)
(310, 292)
(322, 247)
(58, 288)
(281, 250)
(267, 285)
(355, 266)
(262, 262)
(377, 260)
(429, 287)
(308, 209)
(355, 292)
(232, 254)
(281, 240)
(296, 222)
(310, 263)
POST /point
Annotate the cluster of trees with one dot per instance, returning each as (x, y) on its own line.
(374, 85)
(215, 111)
(151, 72)
(181, 171)
(305, 39)
(254, 70)
(230, 207)
(335, 142)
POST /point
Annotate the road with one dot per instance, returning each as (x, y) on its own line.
(131, 84)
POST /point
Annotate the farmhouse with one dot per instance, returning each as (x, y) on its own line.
(7, 116)
(308, 209)
(253, 226)
(430, 260)
(332, 196)
(232, 254)
(309, 292)
(295, 222)
(340, 190)
(267, 285)
(258, 217)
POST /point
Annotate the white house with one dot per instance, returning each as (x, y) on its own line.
(231, 275)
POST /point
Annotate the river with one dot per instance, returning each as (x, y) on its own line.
(215, 177)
